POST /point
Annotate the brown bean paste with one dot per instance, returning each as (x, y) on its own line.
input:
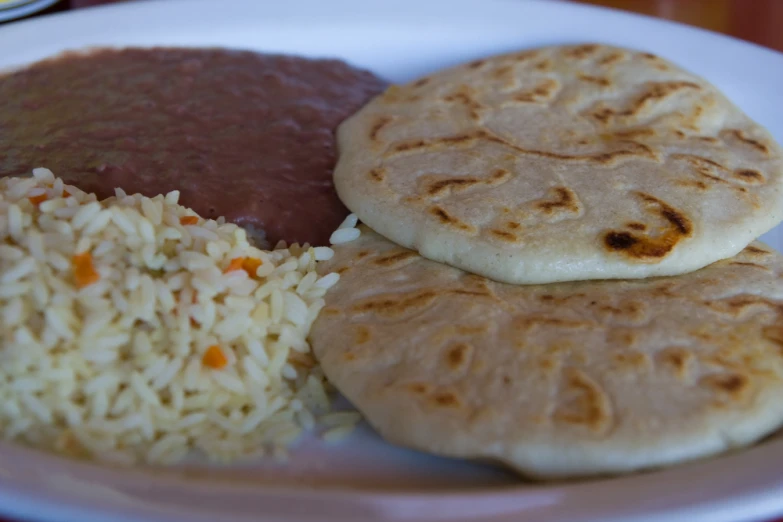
(244, 135)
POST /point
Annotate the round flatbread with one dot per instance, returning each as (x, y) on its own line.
(562, 164)
(560, 380)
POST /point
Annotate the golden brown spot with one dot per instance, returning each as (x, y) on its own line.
(774, 333)
(611, 58)
(587, 403)
(342, 269)
(503, 235)
(422, 82)
(677, 359)
(498, 176)
(446, 399)
(456, 140)
(620, 240)
(636, 226)
(349, 356)
(753, 265)
(632, 149)
(464, 96)
(596, 80)
(631, 359)
(362, 334)
(634, 312)
(513, 225)
(406, 146)
(625, 337)
(476, 293)
(703, 166)
(544, 66)
(699, 161)
(648, 248)
(632, 134)
(756, 144)
(526, 323)
(419, 388)
(548, 364)
(680, 134)
(398, 304)
(506, 380)
(361, 254)
(708, 139)
(379, 124)
(733, 384)
(565, 200)
(741, 305)
(301, 360)
(378, 174)
(749, 176)
(525, 55)
(750, 249)
(447, 219)
(649, 56)
(394, 258)
(442, 187)
(476, 64)
(654, 92)
(581, 52)
(542, 92)
(690, 183)
(663, 290)
(330, 311)
(500, 72)
(458, 355)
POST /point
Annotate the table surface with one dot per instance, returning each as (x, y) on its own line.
(756, 21)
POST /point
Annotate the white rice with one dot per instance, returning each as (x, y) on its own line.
(115, 369)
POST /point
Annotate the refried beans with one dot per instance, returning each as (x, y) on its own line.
(240, 134)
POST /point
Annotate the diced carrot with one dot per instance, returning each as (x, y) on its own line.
(188, 220)
(251, 264)
(214, 357)
(84, 272)
(40, 198)
(235, 264)
(66, 194)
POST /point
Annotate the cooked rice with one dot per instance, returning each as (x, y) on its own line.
(117, 369)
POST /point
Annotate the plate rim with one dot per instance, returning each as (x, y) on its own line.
(774, 488)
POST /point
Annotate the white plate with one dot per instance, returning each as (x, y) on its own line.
(13, 9)
(365, 479)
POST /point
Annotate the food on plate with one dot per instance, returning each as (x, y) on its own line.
(559, 380)
(243, 135)
(562, 163)
(135, 330)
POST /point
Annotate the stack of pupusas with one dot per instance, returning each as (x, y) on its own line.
(557, 268)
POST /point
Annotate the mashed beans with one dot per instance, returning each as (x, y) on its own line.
(244, 135)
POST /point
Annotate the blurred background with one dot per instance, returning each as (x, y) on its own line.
(757, 21)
